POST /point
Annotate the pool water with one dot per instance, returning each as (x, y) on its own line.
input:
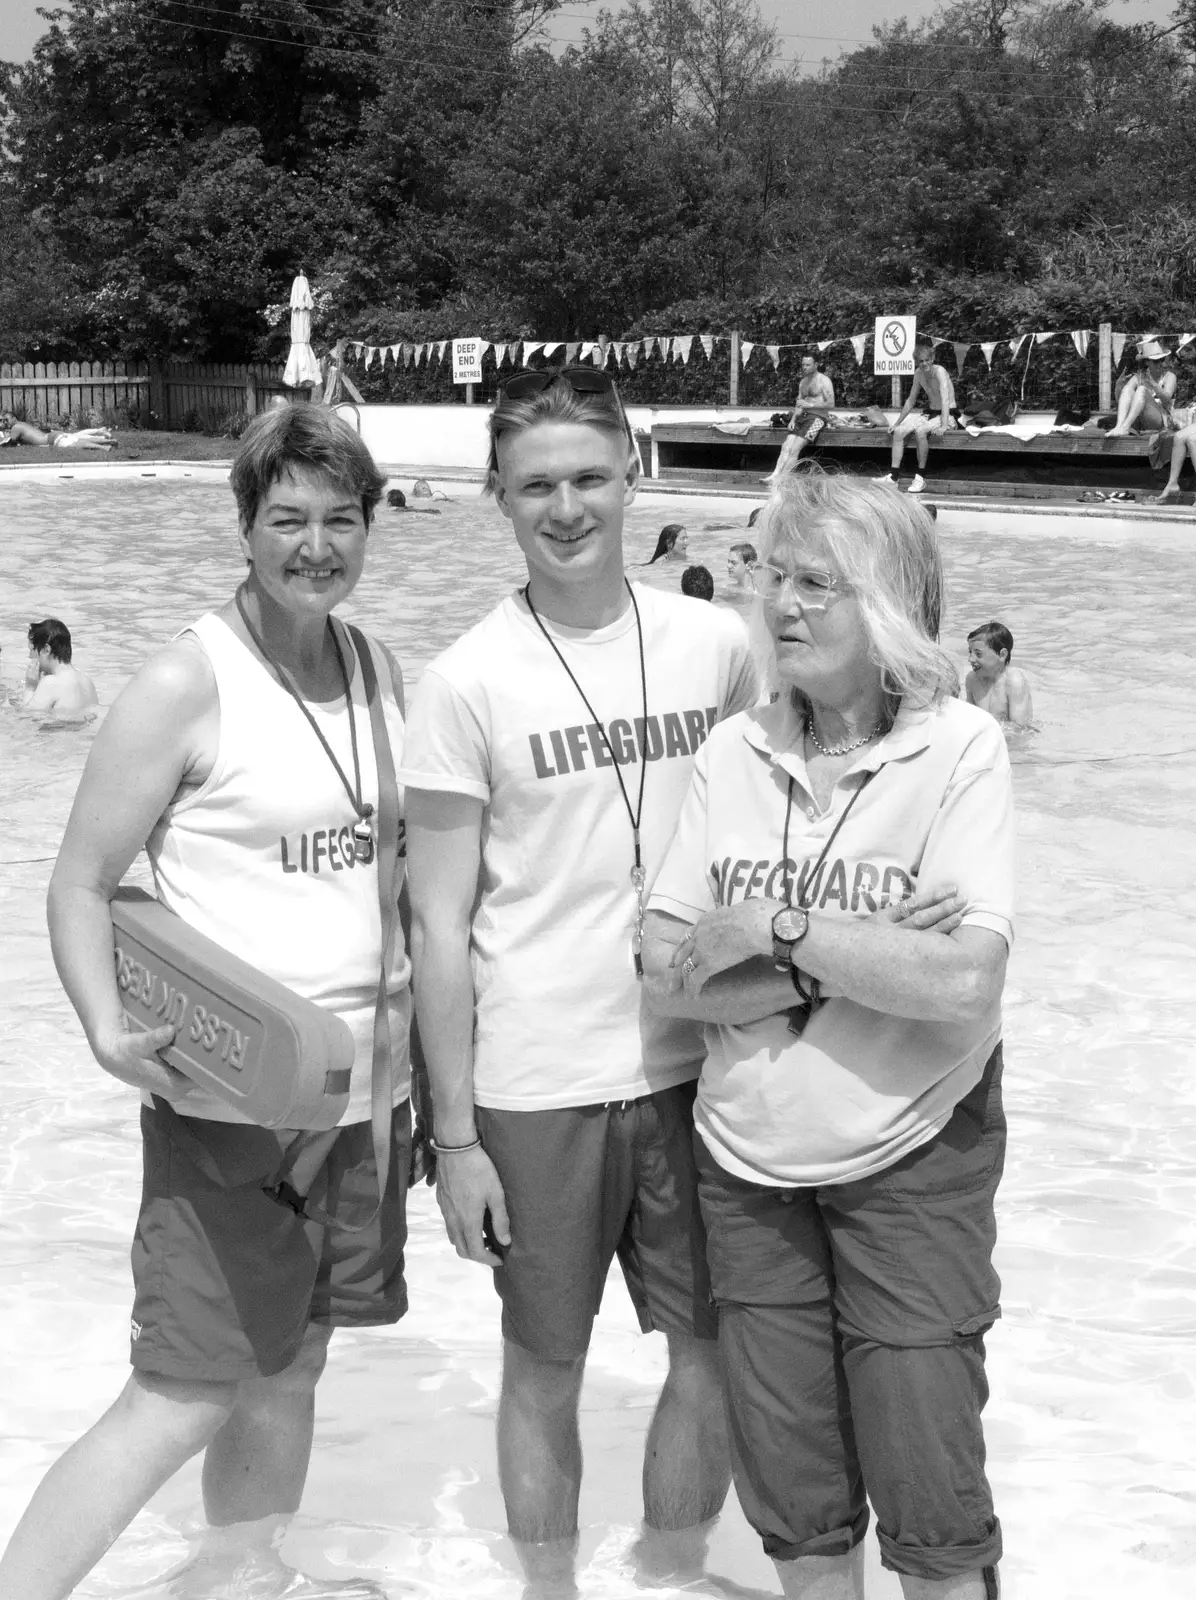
(1093, 1368)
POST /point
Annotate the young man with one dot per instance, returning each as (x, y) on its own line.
(928, 409)
(548, 753)
(51, 682)
(213, 759)
(811, 412)
(992, 684)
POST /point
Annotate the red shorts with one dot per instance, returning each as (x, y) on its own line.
(226, 1278)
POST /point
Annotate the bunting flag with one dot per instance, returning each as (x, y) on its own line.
(774, 351)
(988, 347)
(745, 351)
(1015, 345)
(1118, 346)
(961, 355)
(1184, 339)
(587, 349)
(682, 345)
(1080, 337)
(572, 349)
(408, 355)
(371, 350)
(824, 344)
(1041, 338)
(633, 353)
(707, 344)
(662, 345)
(529, 350)
(858, 341)
(551, 349)
(420, 352)
(441, 348)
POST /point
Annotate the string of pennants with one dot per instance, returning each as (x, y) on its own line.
(628, 352)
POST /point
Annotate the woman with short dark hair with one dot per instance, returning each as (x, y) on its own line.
(249, 757)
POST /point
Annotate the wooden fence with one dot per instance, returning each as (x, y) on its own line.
(49, 391)
(176, 394)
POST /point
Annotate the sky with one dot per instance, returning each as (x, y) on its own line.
(805, 26)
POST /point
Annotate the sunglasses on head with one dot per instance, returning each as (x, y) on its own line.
(582, 380)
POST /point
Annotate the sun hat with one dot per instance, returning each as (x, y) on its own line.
(1152, 350)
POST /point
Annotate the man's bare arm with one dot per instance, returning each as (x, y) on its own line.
(444, 854)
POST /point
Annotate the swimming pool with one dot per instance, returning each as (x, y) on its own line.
(1093, 1369)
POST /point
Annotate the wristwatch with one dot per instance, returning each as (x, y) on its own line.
(789, 928)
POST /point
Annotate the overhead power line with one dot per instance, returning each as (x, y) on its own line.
(959, 79)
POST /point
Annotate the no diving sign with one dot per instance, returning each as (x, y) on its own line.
(893, 346)
(467, 360)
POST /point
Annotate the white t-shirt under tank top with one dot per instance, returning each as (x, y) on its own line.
(260, 856)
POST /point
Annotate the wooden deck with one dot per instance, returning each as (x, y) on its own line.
(704, 452)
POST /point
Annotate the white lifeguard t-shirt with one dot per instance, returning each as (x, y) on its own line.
(859, 1089)
(560, 1019)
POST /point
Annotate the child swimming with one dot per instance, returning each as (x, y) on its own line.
(992, 684)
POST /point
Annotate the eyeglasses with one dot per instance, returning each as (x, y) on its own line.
(812, 590)
(582, 380)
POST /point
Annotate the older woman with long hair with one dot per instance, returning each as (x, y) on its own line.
(837, 908)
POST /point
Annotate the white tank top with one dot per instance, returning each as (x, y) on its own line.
(260, 857)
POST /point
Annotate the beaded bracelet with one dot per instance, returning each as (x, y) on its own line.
(454, 1149)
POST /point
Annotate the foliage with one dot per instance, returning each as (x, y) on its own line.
(166, 168)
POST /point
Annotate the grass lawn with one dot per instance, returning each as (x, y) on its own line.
(133, 444)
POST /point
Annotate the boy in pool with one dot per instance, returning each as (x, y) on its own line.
(992, 684)
(51, 682)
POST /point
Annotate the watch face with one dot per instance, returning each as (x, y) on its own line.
(790, 924)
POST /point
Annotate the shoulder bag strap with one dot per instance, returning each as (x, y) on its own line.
(386, 849)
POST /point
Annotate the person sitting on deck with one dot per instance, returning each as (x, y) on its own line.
(1183, 443)
(811, 412)
(1145, 396)
(14, 432)
(927, 410)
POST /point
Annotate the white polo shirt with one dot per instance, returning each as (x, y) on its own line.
(859, 1089)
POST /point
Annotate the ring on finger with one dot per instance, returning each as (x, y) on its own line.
(688, 967)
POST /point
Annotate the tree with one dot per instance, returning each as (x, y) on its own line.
(572, 205)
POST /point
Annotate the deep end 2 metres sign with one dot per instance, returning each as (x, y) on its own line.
(893, 347)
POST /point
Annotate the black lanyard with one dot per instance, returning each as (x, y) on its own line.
(800, 1015)
(639, 877)
(363, 832)
(802, 902)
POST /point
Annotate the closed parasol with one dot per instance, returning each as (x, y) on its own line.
(302, 369)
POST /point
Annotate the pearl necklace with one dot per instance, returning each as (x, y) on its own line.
(838, 749)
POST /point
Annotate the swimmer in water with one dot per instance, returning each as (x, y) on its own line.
(51, 682)
(697, 583)
(992, 684)
(739, 561)
(671, 545)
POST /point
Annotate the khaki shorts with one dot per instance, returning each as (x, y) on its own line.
(583, 1185)
(851, 1330)
(226, 1278)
